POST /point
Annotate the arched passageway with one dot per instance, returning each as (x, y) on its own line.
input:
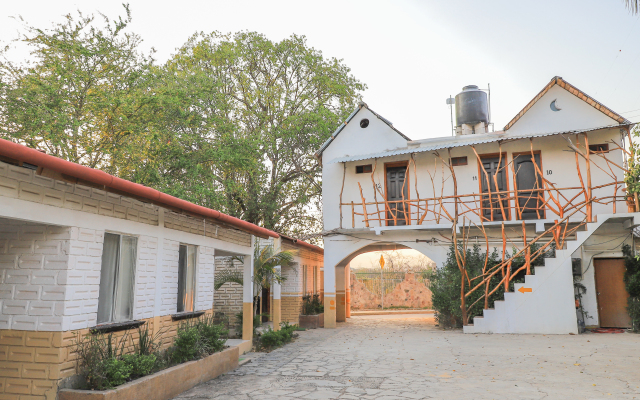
(340, 250)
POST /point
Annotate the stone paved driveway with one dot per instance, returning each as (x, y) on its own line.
(407, 357)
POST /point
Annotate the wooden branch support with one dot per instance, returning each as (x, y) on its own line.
(589, 194)
(353, 215)
(364, 207)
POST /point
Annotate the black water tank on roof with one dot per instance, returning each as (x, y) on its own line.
(472, 106)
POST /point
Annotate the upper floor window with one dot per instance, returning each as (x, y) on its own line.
(363, 169)
(456, 161)
(115, 301)
(599, 148)
(186, 277)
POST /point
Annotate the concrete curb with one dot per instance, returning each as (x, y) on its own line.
(391, 312)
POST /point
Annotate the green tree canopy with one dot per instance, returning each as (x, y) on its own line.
(230, 122)
(78, 96)
(241, 118)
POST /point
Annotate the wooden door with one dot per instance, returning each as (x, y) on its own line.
(611, 293)
(491, 209)
(528, 181)
(397, 190)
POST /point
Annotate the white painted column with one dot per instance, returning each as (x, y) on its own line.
(247, 295)
(157, 305)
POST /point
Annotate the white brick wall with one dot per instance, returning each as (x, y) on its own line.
(169, 274)
(50, 275)
(34, 259)
(204, 279)
(146, 273)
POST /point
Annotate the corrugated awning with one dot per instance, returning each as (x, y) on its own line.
(422, 146)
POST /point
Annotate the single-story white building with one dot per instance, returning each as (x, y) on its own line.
(83, 251)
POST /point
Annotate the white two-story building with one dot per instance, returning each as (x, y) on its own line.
(553, 176)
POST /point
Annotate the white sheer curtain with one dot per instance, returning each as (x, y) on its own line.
(115, 301)
(108, 276)
(186, 277)
(123, 305)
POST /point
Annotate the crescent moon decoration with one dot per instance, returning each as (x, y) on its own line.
(554, 106)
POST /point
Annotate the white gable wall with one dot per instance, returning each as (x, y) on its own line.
(354, 140)
(575, 114)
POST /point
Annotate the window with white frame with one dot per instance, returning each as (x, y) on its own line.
(117, 274)
(186, 277)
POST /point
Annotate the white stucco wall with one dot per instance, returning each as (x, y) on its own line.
(574, 114)
(557, 162)
(354, 140)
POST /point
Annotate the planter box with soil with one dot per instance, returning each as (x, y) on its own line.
(311, 321)
(165, 384)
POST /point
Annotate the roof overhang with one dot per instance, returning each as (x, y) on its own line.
(102, 179)
(421, 146)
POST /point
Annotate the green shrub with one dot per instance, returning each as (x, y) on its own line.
(197, 338)
(311, 305)
(211, 334)
(99, 359)
(445, 284)
(186, 343)
(114, 372)
(632, 283)
(141, 364)
(271, 339)
(148, 343)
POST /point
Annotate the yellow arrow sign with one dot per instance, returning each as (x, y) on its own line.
(525, 289)
(381, 261)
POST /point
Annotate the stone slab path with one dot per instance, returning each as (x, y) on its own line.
(406, 357)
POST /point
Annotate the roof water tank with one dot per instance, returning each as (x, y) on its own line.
(472, 106)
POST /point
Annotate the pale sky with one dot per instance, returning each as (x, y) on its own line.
(413, 54)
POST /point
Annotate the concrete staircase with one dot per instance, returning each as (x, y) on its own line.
(550, 307)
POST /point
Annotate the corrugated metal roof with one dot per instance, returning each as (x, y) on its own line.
(421, 146)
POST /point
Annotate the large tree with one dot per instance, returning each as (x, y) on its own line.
(242, 116)
(78, 96)
(229, 122)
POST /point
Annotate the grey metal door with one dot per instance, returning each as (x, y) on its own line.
(397, 190)
(530, 199)
(491, 209)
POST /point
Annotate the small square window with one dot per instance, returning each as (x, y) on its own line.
(363, 169)
(599, 148)
(457, 161)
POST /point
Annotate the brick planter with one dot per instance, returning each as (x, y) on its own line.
(311, 321)
(165, 384)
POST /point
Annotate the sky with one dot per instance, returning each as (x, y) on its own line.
(411, 54)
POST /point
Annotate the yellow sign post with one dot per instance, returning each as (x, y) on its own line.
(381, 261)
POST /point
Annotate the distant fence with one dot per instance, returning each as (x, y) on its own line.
(373, 279)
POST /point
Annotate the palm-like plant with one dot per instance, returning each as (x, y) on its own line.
(633, 6)
(265, 261)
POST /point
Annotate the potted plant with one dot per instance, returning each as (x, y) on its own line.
(312, 313)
